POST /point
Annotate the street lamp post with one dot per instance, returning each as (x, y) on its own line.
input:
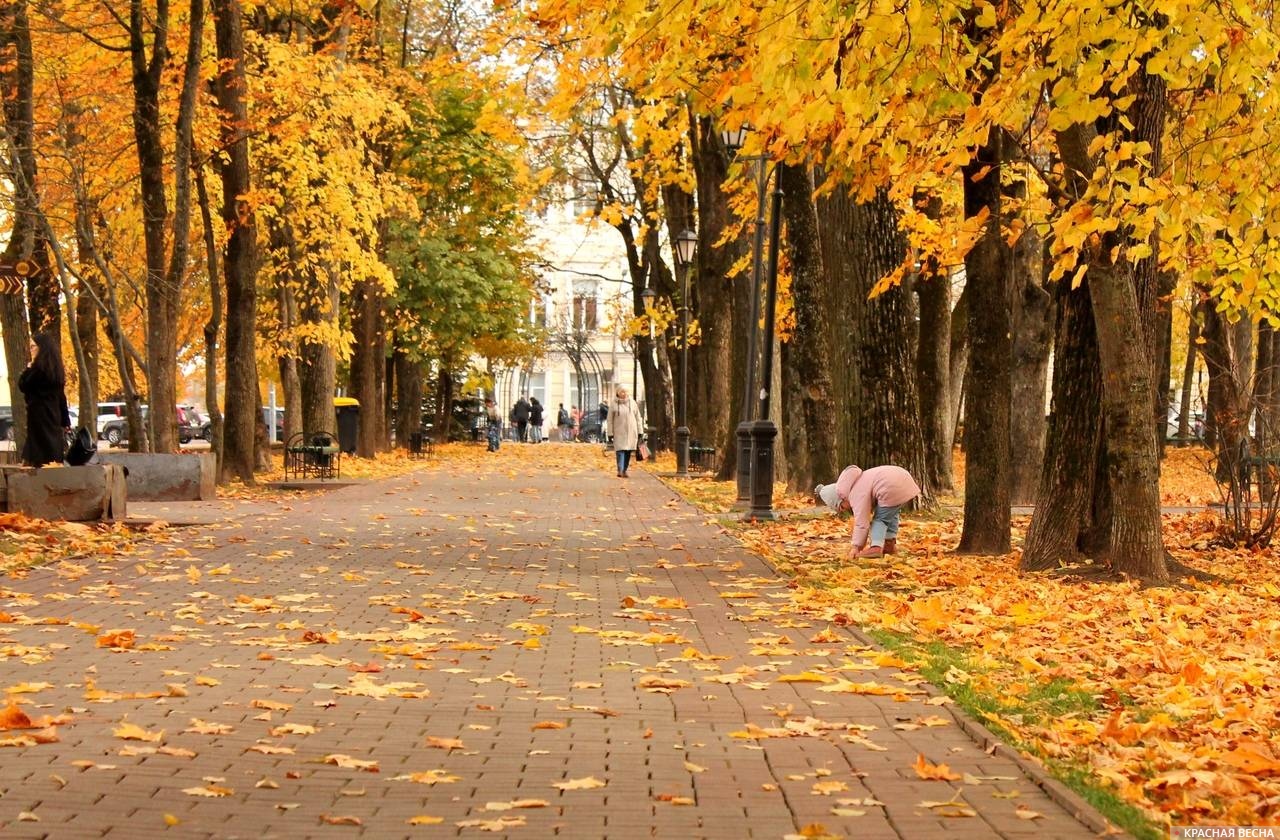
(686, 246)
(756, 436)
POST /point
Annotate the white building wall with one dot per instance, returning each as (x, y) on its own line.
(578, 257)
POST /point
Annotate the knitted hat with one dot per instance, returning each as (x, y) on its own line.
(827, 493)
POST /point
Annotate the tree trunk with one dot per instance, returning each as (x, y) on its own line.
(796, 441)
(238, 262)
(1032, 335)
(933, 345)
(988, 475)
(387, 385)
(161, 300)
(1267, 391)
(1073, 442)
(212, 327)
(811, 339)
(317, 363)
(1227, 411)
(366, 363)
(958, 363)
(408, 397)
(712, 390)
(1188, 373)
(1132, 463)
(27, 241)
(873, 365)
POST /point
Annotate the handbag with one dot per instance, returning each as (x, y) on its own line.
(82, 448)
(642, 451)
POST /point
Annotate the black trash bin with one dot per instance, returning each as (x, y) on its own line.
(348, 412)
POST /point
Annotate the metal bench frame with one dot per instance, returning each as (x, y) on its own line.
(312, 455)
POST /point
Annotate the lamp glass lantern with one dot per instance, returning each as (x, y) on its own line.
(686, 247)
(734, 138)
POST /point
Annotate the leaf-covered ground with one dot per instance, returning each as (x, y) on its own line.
(519, 644)
(1170, 695)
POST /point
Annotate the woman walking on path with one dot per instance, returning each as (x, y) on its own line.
(875, 497)
(535, 420)
(42, 385)
(624, 425)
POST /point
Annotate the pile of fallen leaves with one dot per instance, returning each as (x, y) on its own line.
(26, 541)
(1181, 686)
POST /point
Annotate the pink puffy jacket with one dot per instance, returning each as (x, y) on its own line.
(886, 486)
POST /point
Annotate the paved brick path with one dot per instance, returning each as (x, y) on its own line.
(513, 616)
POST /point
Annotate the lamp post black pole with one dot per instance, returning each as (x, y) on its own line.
(685, 245)
(743, 435)
(763, 430)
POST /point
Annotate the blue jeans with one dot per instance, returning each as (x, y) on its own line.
(884, 524)
(624, 459)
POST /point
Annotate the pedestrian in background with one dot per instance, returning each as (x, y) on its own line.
(875, 497)
(494, 431)
(563, 423)
(520, 414)
(624, 425)
(43, 386)
(535, 420)
(576, 416)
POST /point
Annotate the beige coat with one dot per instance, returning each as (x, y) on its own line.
(624, 423)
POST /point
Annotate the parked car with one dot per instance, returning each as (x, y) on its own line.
(206, 426)
(6, 422)
(108, 413)
(114, 428)
(188, 420)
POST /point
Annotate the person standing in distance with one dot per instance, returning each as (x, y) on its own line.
(624, 426)
(43, 386)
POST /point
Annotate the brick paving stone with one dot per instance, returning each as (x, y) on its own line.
(439, 581)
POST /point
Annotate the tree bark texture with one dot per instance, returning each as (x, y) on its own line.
(213, 326)
(367, 363)
(1228, 408)
(162, 301)
(1032, 338)
(958, 363)
(408, 397)
(18, 87)
(933, 346)
(1188, 373)
(1073, 440)
(873, 365)
(988, 473)
(711, 388)
(238, 260)
(317, 360)
(810, 345)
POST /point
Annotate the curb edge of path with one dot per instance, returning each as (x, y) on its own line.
(1072, 802)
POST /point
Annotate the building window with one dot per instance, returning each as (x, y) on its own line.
(539, 315)
(538, 387)
(585, 316)
(584, 313)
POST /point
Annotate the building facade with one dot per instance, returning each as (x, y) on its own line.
(583, 308)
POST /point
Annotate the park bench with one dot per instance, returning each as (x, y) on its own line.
(312, 455)
(702, 457)
(420, 444)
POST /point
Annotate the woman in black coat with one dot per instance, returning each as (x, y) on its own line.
(42, 385)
